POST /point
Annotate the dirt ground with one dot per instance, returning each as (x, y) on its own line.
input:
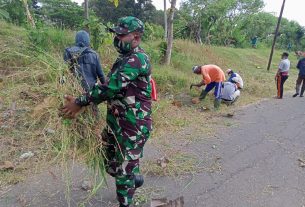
(255, 159)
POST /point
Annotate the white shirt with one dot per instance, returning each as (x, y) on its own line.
(238, 80)
(284, 65)
(228, 91)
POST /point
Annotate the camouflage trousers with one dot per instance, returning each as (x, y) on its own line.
(122, 170)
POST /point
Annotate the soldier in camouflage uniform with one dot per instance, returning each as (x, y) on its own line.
(128, 95)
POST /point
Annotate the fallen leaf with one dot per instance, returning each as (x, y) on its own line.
(163, 161)
(177, 103)
(195, 100)
(7, 165)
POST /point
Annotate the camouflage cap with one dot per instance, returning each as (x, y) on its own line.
(127, 25)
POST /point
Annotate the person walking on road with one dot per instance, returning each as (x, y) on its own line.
(301, 78)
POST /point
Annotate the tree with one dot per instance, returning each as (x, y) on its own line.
(15, 10)
(142, 9)
(216, 21)
(170, 31)
(28, 13)
(165, 20)
(62, 13)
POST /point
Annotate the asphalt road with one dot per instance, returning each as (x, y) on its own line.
(257, 159)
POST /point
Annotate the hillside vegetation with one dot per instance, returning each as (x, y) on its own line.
(30, 93)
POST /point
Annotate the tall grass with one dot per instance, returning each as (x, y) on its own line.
(31, 79)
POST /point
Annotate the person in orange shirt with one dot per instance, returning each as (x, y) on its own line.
(212, 77)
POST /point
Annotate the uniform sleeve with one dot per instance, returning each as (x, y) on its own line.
(117, 83)
(99, 70)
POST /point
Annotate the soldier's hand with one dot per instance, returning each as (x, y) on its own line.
(70, 109)
(191, 86)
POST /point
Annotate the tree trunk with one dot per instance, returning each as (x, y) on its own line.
(28, 14)
(86, 5)
(198, 34)
(165, 20)
(170, 34)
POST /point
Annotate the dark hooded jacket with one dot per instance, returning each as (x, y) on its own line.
(84, 62)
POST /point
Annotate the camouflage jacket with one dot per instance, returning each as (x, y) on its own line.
(128, 95)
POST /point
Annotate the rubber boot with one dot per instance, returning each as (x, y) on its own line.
(203, 95)
(138, 180)
(217, 103)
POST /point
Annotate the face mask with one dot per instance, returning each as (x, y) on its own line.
(122, 47)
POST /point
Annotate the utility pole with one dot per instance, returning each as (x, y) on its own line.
(275, 34)
(165, 21)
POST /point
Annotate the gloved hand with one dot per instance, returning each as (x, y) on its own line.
(191, 86)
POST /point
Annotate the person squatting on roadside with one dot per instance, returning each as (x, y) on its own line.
(235, 78)
(229, 93)
(282, 74)
(301, 78)
(128, 94)
(212, 77)
(84, 64)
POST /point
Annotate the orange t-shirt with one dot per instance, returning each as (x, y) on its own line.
(212, 73)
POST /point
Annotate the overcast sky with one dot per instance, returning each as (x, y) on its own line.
(294, 9)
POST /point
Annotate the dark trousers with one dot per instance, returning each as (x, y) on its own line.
(301, 78)
(280, 84)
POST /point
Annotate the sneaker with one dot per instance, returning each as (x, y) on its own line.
(138, 180)
(295, 95)
(301, 95)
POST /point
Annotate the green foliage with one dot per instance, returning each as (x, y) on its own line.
(233, 23)
(4, 14)
(107, 11)
(49, 39)
(15, 10)
(62, 13)
(153, 32)
(98, 33)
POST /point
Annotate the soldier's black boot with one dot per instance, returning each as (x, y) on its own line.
(138, 180)
(297, 89)
(122, 205)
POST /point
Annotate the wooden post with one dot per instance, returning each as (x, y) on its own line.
(275, 34)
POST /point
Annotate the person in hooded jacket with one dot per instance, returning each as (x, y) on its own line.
(84, 62)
